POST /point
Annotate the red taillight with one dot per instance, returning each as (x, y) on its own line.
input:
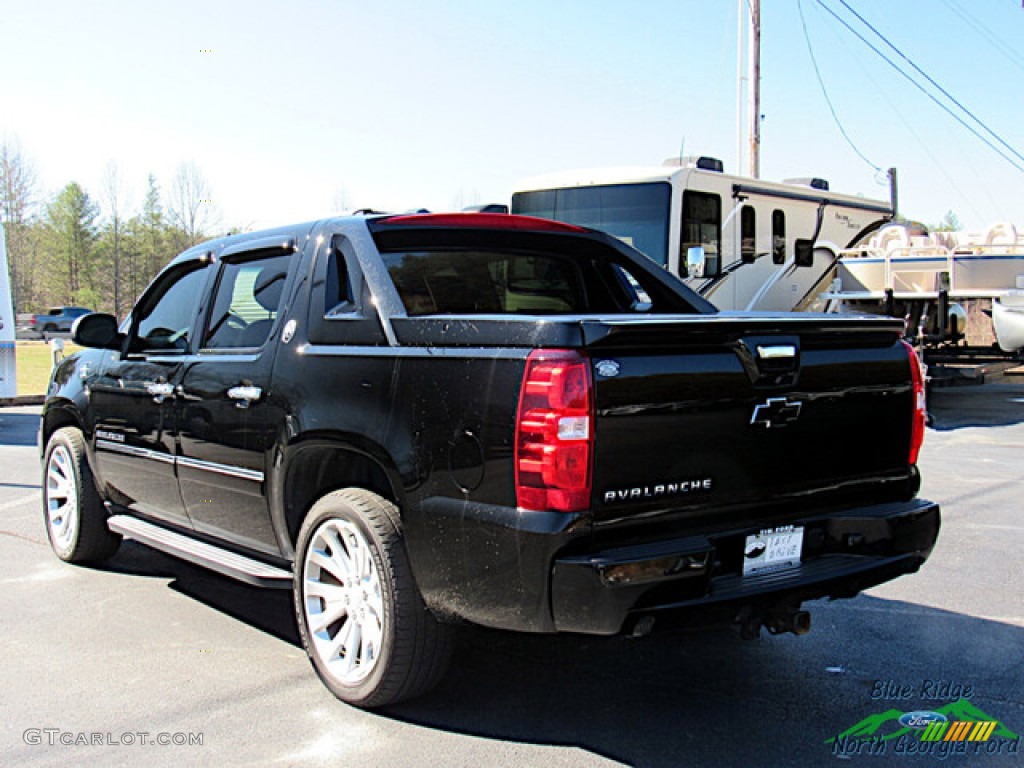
(920, 416)
(555, 432)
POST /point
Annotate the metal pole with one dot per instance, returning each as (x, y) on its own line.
(741, 22)
(755, 89)
(893, 194)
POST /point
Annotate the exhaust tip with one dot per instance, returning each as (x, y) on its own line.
(643, 626)
(801, 623)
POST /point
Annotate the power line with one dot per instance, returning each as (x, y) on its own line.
(824, 91)
(921, 88)
(923, 74)
(982, 30)
(922, 142)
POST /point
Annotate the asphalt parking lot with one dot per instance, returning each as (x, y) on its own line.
(149, 648)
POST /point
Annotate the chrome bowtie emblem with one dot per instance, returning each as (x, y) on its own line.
(776, 412)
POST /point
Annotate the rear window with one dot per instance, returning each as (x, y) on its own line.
(446, 270)
(487, 282)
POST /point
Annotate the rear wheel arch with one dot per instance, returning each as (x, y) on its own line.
(314, 467)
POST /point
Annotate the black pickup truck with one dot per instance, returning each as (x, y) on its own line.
(421, 420)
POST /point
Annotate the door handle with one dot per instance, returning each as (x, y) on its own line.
(244, 395)
(159, 390)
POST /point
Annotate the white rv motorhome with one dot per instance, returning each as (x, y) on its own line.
(742, 243)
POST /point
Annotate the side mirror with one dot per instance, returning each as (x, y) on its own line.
(97, 331)
(695, 261)
(803, 253)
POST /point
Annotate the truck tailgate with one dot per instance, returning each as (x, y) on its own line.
(701, 413)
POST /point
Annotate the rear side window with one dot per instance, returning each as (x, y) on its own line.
(246, 303)
(339, 298)
(486, 282)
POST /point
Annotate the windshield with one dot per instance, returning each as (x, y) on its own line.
(637, 214)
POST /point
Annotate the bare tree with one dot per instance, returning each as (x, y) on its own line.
(17, 200)
(191, 205)
(340, 204)
(464, 198)
(113, 197)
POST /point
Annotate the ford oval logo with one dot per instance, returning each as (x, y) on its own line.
(609, 369)
(921, 719)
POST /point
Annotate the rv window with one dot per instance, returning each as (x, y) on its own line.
(748, 234)
(637, 214)
(702, 225)
(778, 236)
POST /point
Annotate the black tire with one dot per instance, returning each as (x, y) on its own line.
(400, 654)
(76, 520)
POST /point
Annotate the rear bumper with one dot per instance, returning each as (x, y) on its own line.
(845, 552)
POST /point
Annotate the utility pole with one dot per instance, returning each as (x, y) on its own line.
(741, 78)
(755, 89)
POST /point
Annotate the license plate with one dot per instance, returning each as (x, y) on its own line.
(773, 550)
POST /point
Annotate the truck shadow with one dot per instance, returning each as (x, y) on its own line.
(702, 698)
(268, 610)
(987, 405)
(707, 698)
(18, 428)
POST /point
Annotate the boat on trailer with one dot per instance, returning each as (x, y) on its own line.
(954, 289)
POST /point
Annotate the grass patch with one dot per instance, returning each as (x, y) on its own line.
(35, 361)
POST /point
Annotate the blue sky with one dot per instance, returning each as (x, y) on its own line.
(299, 106)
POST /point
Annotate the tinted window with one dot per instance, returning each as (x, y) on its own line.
(639, 299)
(246, 303)
(637, 214)
(485, 282)
(166, 318)
(339, 298)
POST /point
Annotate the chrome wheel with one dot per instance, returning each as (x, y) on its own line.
(62, 507)
(359, 612)
(343, 604)
(73, 512)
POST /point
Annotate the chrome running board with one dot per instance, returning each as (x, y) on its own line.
(199, 552)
